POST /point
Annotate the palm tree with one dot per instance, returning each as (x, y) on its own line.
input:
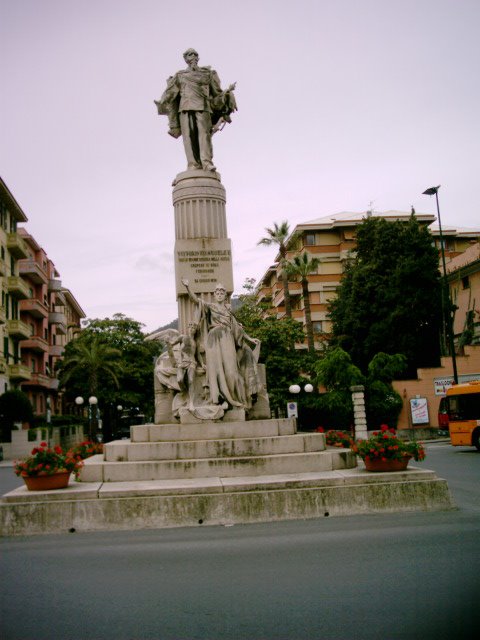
(278, 236)
(303, 265)
(90, 360)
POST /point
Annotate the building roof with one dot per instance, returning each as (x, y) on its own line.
(456, 231)
(73, 302)
(353, 218)
(13, 205)
(468, 257)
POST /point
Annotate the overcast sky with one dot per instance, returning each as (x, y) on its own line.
(341, 103)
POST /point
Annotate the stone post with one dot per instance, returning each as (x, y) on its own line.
(359, 415)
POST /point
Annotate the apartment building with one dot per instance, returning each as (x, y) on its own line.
(463, 275)
(40, 315)
(330, 239)
(13, 290)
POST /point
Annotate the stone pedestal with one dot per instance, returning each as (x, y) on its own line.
(203, 251)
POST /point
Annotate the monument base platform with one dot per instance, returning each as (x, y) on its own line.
(156, 504)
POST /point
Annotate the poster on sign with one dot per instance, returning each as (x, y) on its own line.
(419, 410)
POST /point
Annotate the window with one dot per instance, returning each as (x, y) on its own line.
(309, 239)
(3, 215)
(317, 326)
(466, 282)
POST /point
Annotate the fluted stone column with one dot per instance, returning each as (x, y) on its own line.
(359, 415)
(203, 251)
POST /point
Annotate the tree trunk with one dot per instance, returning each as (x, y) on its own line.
(286, 294)
(308, 316)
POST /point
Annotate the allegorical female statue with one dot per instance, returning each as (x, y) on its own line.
(196, 108)
(230, 361)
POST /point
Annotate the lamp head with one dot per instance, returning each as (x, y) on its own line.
(431, 191)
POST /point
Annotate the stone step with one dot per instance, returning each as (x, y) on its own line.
(97, 470)
(213, 430)
(220, 501)
(125, 450)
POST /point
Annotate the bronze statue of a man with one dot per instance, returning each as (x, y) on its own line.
(196, 108)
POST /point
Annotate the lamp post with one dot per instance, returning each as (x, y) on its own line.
(447, 305)
(49, 420)
(92, 402)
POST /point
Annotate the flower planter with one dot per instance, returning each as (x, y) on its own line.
(387, 465)
(45, 483)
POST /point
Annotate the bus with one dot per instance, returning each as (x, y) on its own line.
(463, 405)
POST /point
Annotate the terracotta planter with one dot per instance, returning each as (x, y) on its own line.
(45, 483)
(387, 465)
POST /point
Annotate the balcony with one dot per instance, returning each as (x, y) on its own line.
(60, 320)
(17, 287)
(54, 285)
(39, 380)
(34, 307)
(59, 299)
(18, 329)
(34, 343)
(33, 271)
(56, 350)
(18, 372)
(17, 246)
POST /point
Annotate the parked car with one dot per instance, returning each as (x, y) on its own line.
(443, 415)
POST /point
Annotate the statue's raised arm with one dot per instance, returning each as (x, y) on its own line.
(196, 108)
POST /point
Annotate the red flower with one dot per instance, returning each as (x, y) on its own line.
(43, 444)
(384, 427)
(58, 449)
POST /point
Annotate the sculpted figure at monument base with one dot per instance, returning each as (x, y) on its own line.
(211, 373)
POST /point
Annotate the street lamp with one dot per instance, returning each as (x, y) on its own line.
(294, 389)
(92, 402)
(447, 305)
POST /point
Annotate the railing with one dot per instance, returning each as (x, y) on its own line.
(35, 307)
(17, 287)
(17, 245)
(33, 270)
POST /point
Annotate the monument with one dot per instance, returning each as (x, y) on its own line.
(213, 454)
(225, 380)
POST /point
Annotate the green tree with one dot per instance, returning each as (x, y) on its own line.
(14, 407)
(285, 365)
(278, 235)
(337, 373)
(125, 376)
(389, 299)
(382, 403)
(302, 266)
(94, 360)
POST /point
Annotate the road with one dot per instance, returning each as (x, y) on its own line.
(384, 577)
